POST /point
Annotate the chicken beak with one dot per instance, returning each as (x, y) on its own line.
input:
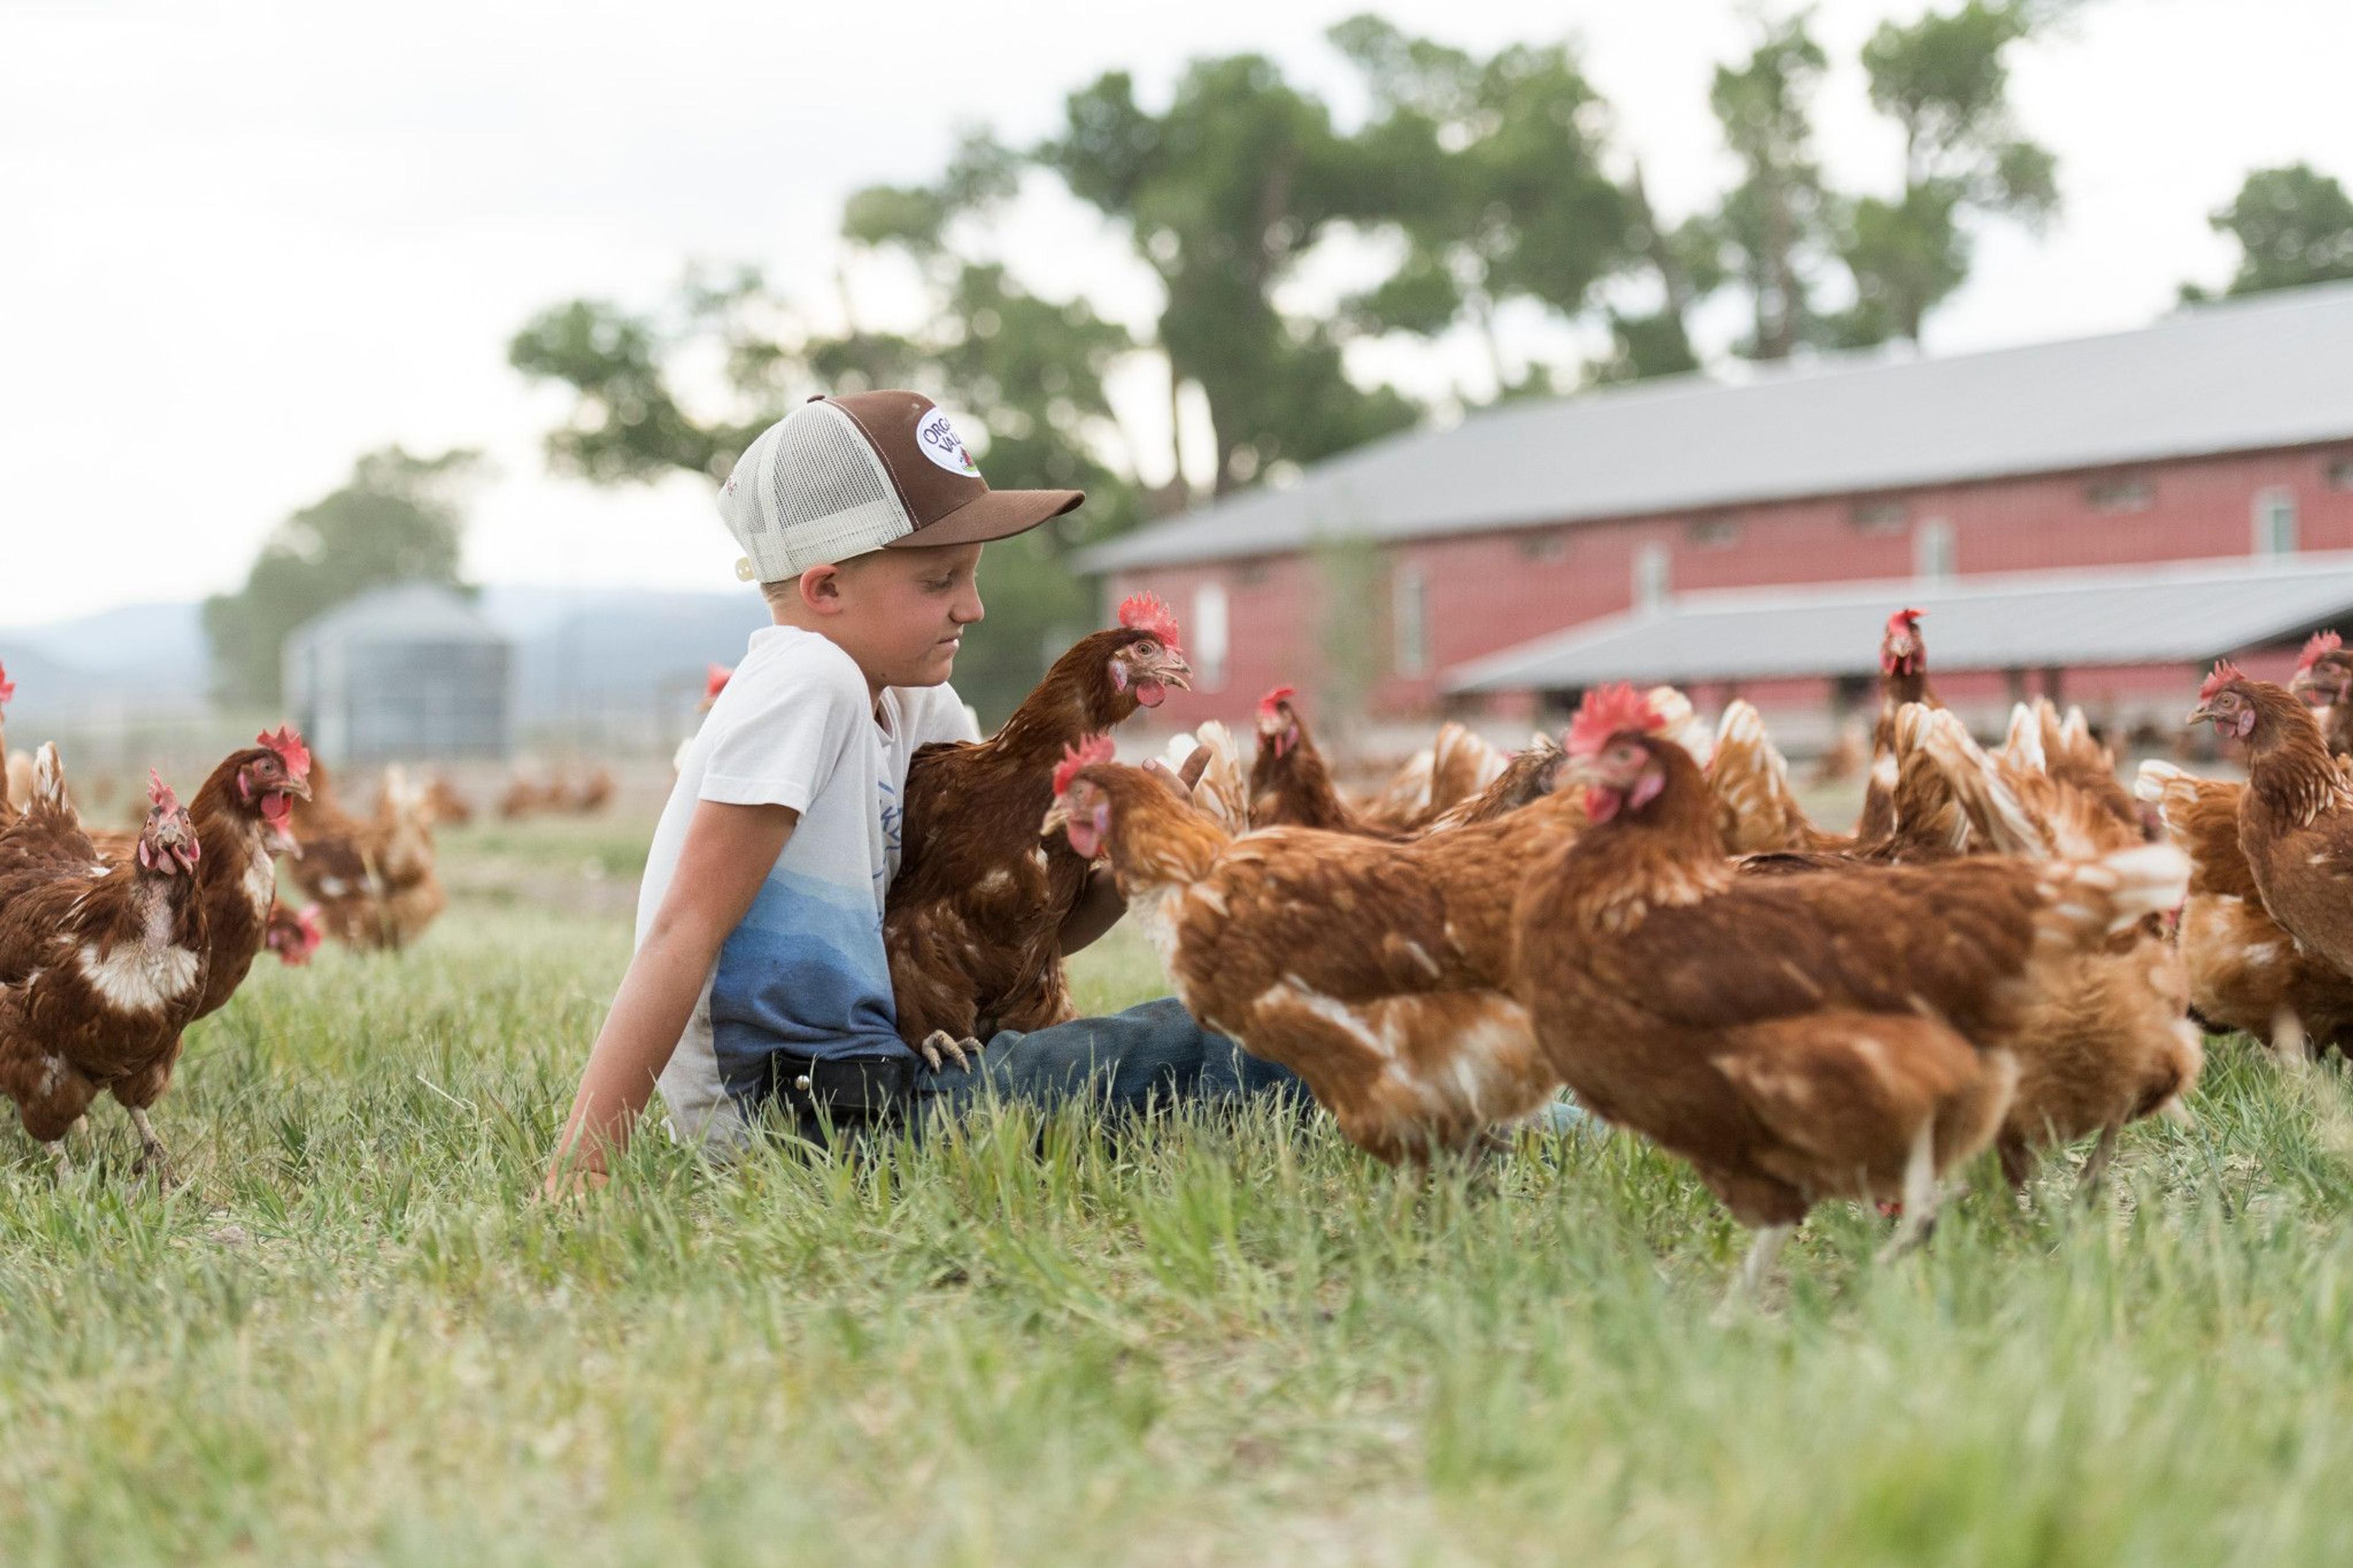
(1057, 817)
(299, 788)
(2201, 714)
(1178, 673)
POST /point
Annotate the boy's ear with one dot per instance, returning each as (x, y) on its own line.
(820, 589)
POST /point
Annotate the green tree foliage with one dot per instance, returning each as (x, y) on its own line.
(399, 519)
(2294, 226)
(1775, 222)
(1945, 80)
(1025, 375)
(1491, 169)
(1222, 193)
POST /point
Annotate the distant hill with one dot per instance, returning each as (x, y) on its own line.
(616, 654)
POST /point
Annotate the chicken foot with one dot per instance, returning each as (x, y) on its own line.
(1762, 1252)
(1922, 1197)
(152, 1154)
(2095, 1169)
(940, 1046)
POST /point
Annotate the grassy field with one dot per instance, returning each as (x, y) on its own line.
(355, 1338)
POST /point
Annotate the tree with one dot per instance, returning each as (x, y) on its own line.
(1026, 375)
(1222, 194)
(1492, 171)
(1945, 80)
(2294, 226)
(1775, 224)
(399, 519)
(1687, 262)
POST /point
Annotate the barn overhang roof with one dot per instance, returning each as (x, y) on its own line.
(2185, 613)
(2246, 375)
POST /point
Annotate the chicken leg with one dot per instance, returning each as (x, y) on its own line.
(152, 1155)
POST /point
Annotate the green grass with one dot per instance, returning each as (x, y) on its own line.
(355, 1338)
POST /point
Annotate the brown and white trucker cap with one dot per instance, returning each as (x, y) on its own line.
(840, 476)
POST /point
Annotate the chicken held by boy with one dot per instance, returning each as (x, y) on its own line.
(972, 921)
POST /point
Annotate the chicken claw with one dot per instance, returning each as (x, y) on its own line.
(152, 1155)
(962, 1052)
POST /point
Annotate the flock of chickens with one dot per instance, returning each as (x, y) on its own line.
(112, 944)
(2011, 948)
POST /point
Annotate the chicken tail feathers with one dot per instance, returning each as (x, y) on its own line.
(2090, 900)
(1992, 807)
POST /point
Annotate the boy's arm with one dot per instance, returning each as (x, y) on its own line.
(728, 853)
(1097, 911)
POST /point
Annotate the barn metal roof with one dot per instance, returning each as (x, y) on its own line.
(2185, 613)
(404, 613)
(2240, 376)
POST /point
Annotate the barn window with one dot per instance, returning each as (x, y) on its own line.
(1251, 575)
(2124, 492)
(1877, 515)
(1553, 546)
(1410, 621)
(1713, 533)
(1932, 551)
(1653, 574)
(2340, 474)
(1210, 636)
(2276, 522)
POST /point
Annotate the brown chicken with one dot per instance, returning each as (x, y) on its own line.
(2296, 815)
(972, 921)
(101, 966)
(293, 934)
(1290, 784)
(1457, 764)
(1902, 679)
(1794, 1038)
(1527, 777)
(1374, 970)
(7, 810)
(1759, 815)
(446, 804)
(375, 882)
(2108, 1041)
(2245, 973)
(2324, 682)
(241, 814)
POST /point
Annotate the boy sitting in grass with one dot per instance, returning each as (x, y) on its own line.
(759, 981)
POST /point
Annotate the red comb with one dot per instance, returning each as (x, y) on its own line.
(1146, 612)
(307, 917)
(1610, 711)
(715, 678)
(1085, 755)
(158, 794)
(7, 687)
(1908, 619)
(2322, 643)
(1280, 694)
(290, 749)
(2224, 673)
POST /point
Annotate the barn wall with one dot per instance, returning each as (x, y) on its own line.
(1488, 591)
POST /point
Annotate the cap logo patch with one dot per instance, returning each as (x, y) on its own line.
(938, 440)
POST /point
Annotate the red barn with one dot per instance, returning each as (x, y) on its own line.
(1454, 566)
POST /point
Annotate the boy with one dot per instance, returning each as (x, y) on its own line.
(759, 977)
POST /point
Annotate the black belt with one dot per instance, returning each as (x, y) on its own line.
(845, 1091)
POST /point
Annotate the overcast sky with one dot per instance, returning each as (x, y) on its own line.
(245, 243)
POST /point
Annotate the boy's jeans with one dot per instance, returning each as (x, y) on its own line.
(1150, 1055)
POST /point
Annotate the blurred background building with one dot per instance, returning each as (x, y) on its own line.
(410, 671)
(1752, 537)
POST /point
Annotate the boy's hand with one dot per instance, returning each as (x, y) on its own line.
(939, 1045)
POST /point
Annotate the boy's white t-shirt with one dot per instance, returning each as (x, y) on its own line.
(804, 972)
